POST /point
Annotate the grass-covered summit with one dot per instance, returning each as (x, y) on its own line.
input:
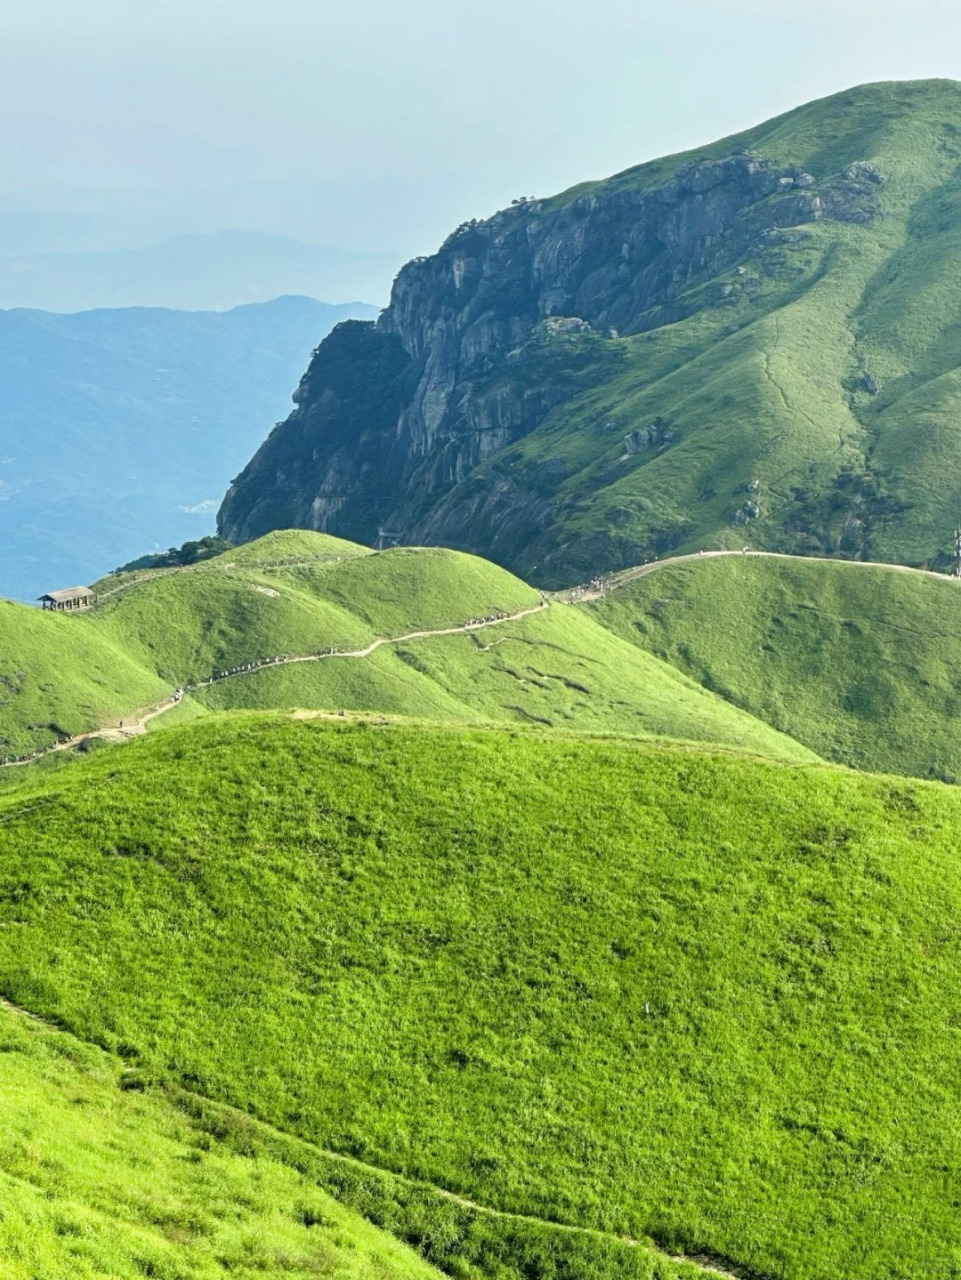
(860, 662)
(301, 620)
(752, 342)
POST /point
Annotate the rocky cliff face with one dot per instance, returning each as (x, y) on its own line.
(403, 428)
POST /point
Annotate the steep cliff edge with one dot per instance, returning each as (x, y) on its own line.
(701, 346)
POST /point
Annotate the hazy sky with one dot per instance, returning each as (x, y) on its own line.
(379, 123)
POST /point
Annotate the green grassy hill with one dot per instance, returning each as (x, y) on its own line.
(659, 993)
(862, 664)
(101, 1179)
(301, 595)
(59, 676)
(784, 370)
(782, 657)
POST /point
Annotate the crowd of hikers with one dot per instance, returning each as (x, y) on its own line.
(246, 668)
(599, 585)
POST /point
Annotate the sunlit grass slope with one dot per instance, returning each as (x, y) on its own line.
(59, 676)
(293, 544)
(660, 991)
(556, 667)
(232, 611)
(98, 1179)
(862, 664)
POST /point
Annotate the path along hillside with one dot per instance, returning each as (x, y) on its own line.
(299, 621)
(860, 662)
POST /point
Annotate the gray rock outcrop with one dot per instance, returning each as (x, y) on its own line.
(512, 317)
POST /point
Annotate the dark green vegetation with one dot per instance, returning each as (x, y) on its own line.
(754, 342)
(120, 429)
(861, 664)
(297, 594)
(661, 992)
(99, 1178)
(189, 553)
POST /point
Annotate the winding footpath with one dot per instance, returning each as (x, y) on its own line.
(623, 577)
(126, 729)
(703, 1264)
(596, 589)
(260, 664)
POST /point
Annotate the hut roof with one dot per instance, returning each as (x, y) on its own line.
(70, 593)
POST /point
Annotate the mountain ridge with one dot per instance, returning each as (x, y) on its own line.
(699, 349)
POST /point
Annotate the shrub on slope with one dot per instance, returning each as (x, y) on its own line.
(660, 992)
(862, 664)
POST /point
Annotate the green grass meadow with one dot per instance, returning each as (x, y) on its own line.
(100, 1178)
(861, 664)
(578, 948)
(661, 992)
(557, 667)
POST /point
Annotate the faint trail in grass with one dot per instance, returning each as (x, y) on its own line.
(207, 566)
(702, 1263)
(466, 628)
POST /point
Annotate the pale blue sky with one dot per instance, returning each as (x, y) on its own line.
(378, 124)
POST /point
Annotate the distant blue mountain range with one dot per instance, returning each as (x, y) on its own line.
(192, 273)
(121, 429)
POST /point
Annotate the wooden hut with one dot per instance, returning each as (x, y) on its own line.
(68, 600)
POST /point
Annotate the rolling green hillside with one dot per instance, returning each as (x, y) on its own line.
(302, 595)
(658, 992)
(100, 1179)
(861, 663)
(755, 341)
(784, 657)
(60, 676)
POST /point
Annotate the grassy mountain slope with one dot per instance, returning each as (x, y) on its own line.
(786, 372)
(662, 992)
(763, 387)
(59, 676)
(559, 669)
(99, 1179)
(862, 664)
(300, 594)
